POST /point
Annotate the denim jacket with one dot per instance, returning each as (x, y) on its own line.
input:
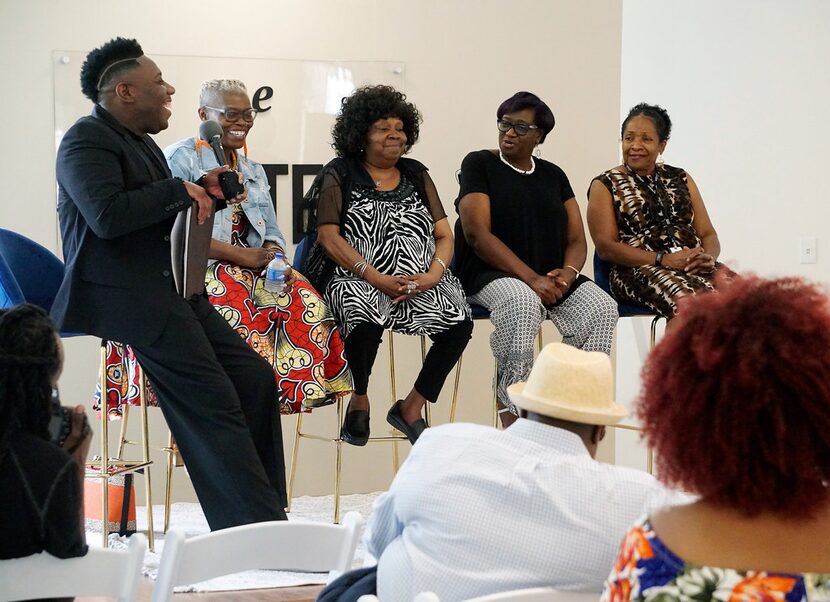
(189, 163)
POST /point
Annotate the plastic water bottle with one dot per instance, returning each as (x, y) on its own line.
(275, 274)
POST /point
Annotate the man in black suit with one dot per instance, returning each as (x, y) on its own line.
(117, 204)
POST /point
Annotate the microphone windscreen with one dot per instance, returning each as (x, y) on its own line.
(209, 129)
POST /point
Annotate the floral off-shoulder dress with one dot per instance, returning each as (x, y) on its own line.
(647, 570)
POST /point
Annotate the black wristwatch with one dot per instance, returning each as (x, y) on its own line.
(658, 260)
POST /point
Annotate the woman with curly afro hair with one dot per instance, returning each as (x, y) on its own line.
(383, 228)
(736, 405)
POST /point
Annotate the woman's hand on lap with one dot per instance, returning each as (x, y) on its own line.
(563, 278)
(546, 288)
(254, 257)
(391, 286)
(702, 263)
(679, 260)
(423, 281)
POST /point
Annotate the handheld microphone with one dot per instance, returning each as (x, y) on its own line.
(211, 132)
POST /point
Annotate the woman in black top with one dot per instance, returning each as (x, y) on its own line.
(41, 504)
(381, 222)
(520, 246)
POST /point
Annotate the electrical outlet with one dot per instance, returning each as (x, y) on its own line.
(809, 250)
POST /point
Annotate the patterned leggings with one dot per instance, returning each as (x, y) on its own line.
(586, 320)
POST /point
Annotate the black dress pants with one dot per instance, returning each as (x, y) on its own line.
(447, 346)
(219, 398)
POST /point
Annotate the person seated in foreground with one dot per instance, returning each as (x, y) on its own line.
(736, 404)
(41, 475)
(475, 510)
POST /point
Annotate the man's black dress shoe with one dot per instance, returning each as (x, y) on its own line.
(412, 431)
(355, 428)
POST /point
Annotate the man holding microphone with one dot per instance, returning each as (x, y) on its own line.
(117, 204)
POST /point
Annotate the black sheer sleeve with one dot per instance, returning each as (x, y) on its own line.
(330, 204)
(434, 201)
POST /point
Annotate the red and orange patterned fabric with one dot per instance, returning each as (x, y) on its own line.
(295, 332)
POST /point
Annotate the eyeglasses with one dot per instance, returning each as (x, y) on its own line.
(520, 128)
(236, 114)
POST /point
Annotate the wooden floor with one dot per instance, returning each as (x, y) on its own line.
(306, 593)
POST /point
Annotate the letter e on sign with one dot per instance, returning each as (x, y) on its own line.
(261, 95)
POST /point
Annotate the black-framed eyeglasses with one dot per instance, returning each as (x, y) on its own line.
(520, 128)
(236, 114)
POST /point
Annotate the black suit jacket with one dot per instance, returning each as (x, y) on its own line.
(117, 203)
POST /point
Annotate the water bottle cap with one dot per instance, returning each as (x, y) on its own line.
(280, 255)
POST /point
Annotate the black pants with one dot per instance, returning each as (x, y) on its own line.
(219, 398)
(447, 346)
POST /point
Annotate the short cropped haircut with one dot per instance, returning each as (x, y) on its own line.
(212, 90)
(736, 400)
(103, 65)
(656, 113)
(543, 116)
(363, 108)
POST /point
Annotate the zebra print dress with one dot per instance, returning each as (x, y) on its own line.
(393, 231)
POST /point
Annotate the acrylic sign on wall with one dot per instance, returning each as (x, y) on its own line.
(291, 136)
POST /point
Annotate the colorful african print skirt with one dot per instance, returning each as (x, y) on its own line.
(295, 332)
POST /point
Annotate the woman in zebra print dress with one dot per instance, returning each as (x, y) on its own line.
(381, 222)
(648, 220)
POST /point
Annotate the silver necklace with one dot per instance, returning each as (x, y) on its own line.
(524, 172)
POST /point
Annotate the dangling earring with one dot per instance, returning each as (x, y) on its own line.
(660, 160)
(537, 152)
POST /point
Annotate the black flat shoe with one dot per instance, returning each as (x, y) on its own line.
(355, 430)
(412, 431)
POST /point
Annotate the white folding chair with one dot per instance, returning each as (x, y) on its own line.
(538, 594)
(290, 546)
(102, 572)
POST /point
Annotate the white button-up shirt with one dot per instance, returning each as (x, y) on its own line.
(475, 511)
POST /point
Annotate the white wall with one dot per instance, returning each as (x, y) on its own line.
(462, 59)
(746, 85)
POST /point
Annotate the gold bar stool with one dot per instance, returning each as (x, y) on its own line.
(631, 427)
(173, 459)
(395, 436)
(602, 271)
(108, 467)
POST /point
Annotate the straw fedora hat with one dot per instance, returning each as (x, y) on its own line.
(569, 384)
